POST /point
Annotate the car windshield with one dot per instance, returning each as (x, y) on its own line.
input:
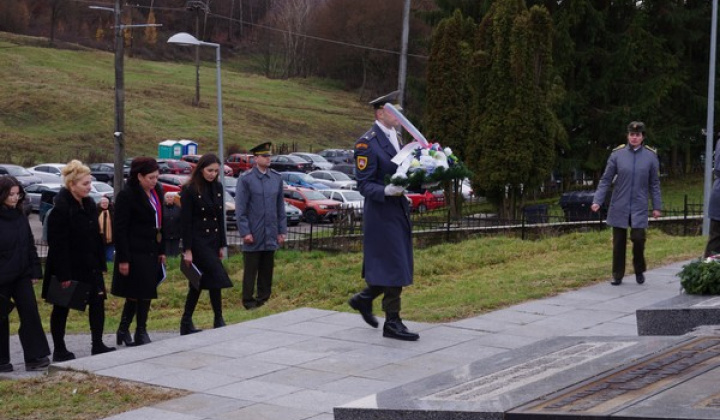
(306, 178)
(339, 176)
(316, 158)
(352, 196)
(314, 195)
(17, 171)
(102, 187)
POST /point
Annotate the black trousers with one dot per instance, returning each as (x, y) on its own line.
(96, 318)
(258, 268)
(637, 237)
(32, 335)
(391, 302)
(713, 245)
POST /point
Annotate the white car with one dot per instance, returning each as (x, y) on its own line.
(350, 199)
(334, 179)
(318, 161)
(48, 168)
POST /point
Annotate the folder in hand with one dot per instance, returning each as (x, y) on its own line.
(192, 273)
(74, 296)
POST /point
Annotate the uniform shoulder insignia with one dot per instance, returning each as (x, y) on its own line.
(619, 147)
(652, 149)
(361, 145)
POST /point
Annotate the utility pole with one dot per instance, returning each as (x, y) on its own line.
(402, 71)
(710, 129)
(196, 6)
(119, 133)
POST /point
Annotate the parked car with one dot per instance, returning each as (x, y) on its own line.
(282, 163)
(49, 173)
(318, 161)
(293, 214)
(101, 189)
(301, 179)
(337, 155)
(315, 206)
(348, 168)
(105, 172)
(350, 199)
(426, 200)
(174, 166)
(172, 183)
(231, 185)
(193, 160)
(240, 162)
(23, 175)
(334, 179)
(34, 192)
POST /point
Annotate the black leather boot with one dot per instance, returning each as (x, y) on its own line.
(394, 328)
(216, 303)
(100, 348)
(187, 327)
(364, 306)
(123, 333)
(218, 322)
(186, 323)
(141, 335)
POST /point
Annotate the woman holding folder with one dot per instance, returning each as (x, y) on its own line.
(75, 253)
(203, 239)
(139, 248)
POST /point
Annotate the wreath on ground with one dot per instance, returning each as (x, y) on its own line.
(702, 276)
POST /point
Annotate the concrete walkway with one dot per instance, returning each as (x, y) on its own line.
(300, 364)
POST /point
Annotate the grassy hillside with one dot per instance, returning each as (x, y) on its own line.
(56, 104)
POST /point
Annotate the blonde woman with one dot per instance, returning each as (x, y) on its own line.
(76, 252)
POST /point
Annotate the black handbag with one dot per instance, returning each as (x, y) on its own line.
(74, 296)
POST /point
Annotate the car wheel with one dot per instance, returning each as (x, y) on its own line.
(422, 208)
(311, 216)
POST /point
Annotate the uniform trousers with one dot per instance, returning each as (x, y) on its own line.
(713, 245)
(391, 297)
(32, 336)
(637, 236)
(258, 268)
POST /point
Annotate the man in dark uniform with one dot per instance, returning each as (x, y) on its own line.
(387, 231)
(262, 224)
(634, 170)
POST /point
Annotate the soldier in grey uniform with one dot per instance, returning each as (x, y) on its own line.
(262, 224)
(636, 171)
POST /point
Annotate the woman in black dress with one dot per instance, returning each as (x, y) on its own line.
(204, 238)
(76, 252)
(139, 247)
(19, 269)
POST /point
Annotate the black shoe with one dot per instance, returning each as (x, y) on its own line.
(124, 337)
(142, 337)
(365, 309)
(41, 363)
(396, 329)
(616, 282)
(640, 278)
(6, 367)
(250, 305)
(100, 349)
(219, 322)
(188, 328)
(63, 356)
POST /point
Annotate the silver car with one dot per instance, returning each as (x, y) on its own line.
(334, 179)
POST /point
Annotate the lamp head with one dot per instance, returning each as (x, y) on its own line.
(183, 38)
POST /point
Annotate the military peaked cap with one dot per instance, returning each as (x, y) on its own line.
(636, 127)
(264, 149)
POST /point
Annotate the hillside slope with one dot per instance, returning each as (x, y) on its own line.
(57, 104)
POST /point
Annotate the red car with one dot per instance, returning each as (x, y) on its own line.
(426, 200)
(172, 183)
(315, 206)
(240, 162)
(175, 167)
(193, 160)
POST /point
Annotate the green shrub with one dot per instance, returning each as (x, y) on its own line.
(701, 277)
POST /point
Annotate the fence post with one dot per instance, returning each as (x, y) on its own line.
(447, 227)
(522, 229)
(685, 214)
(310, 247)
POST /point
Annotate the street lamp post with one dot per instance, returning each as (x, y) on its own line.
(184, 38)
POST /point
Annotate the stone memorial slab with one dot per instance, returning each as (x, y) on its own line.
(678, 315)
(492, 387)
(660, 386)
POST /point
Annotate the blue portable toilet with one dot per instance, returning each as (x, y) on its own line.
(189, 147)
(170, 149)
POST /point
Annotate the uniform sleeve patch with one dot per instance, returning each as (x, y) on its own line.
(361, 146)
(362, 162)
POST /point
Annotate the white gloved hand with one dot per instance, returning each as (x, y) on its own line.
(393, 190)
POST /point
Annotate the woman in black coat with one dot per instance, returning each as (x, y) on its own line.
(76, 252)
(204, 238)
(172, 230)
(19, 269)
(139, 247)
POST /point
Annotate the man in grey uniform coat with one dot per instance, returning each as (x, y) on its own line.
(636, 171)
(262, 224)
